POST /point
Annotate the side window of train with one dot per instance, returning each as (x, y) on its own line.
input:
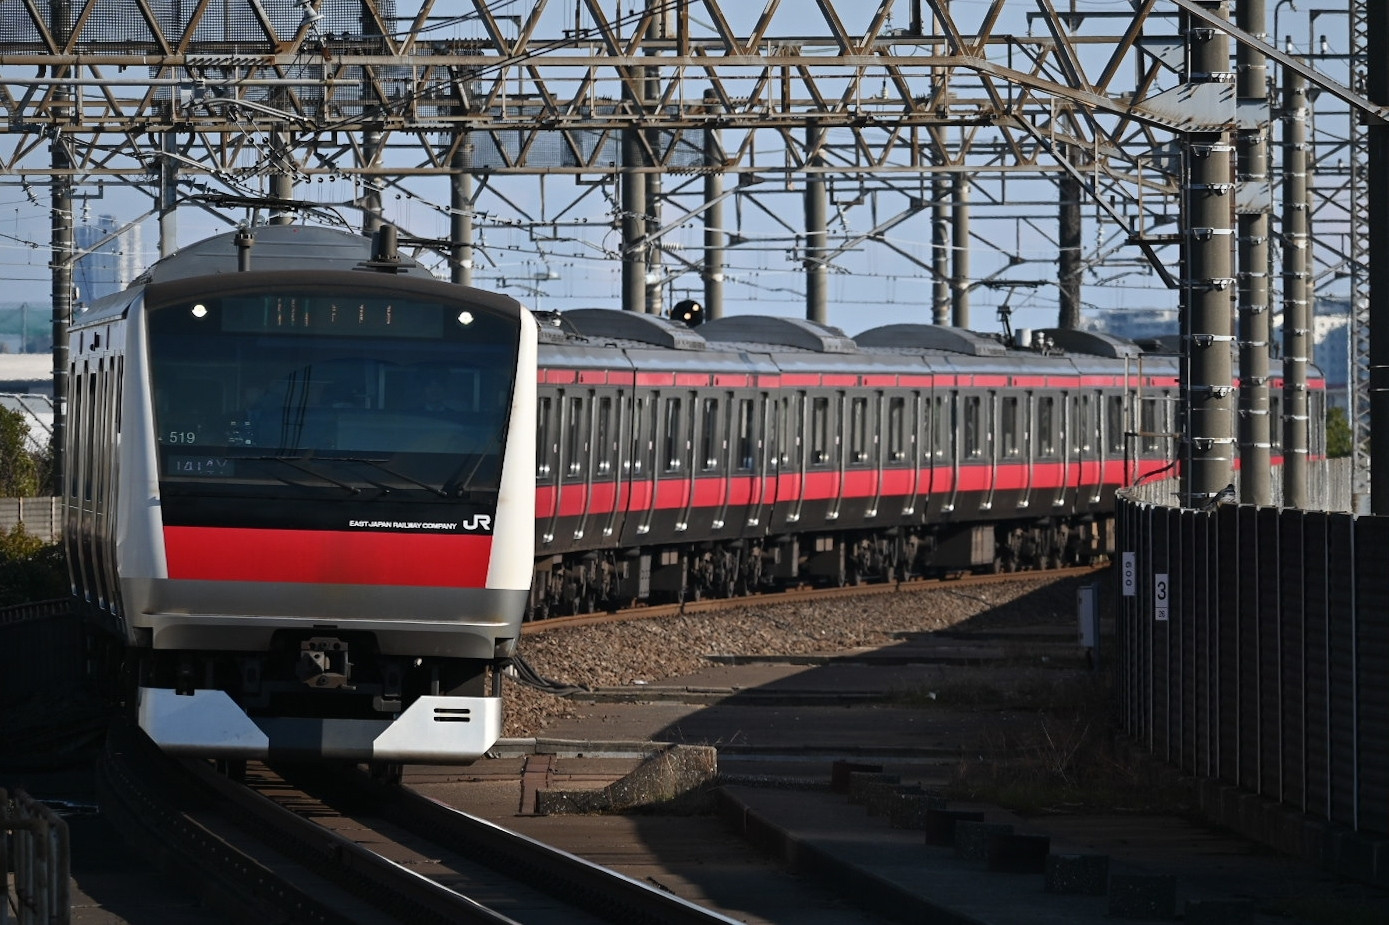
(858, 430)
(1009, 429)
(604, 445)
(544, 450)
(673, 447)
(709, 442)
(1082, 424)
(576, 435)
(944, 418)
(819, 431)
(744, 437)
(1114, 424)
(974, 423)
(896, 429)
(1046, 425)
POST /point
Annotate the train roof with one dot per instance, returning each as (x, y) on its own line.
(275, 247)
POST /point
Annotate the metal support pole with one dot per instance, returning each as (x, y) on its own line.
(940, 250)
(1296, 307)
(168, 195)
(1068, 260)
(62, 249)
(461, 216)
(1377, 139)
(816, 208)
(1207, 283)
(959, 264)
(372, 214)
(282, 179)
(1254, 205)
(633, 223)
(714, 237)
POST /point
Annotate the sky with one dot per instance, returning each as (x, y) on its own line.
(550, 241)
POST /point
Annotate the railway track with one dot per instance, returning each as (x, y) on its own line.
(318, 846)
(795, 596)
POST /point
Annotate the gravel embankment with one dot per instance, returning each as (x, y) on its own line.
(653, 650)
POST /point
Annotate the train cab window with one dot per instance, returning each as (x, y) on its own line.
(1009, 429)
(676, 442)
(745, 443)
(544, 450)
(1114, 424)
(604, 446)
(858, 430)
(896, 429)
(709, 442)
(576, 439)
(819, 431)
(1046, 425)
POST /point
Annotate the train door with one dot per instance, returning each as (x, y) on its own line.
(792, 475)
(747, 459)
(710, 481)
(988, 449)
(609, 475)
(826, 480)
(1009, 475)
(642, 494)
(1049, 469)
(903, 440)
(948, 429)
(675, 481)
(1027, 453)
(574, 456)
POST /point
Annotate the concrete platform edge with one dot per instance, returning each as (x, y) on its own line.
(876, 894)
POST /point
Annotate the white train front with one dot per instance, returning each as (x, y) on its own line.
(301, 498)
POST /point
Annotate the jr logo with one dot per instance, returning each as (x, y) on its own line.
(478, 522)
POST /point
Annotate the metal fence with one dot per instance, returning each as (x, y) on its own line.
(1253, 651)
(34, 850)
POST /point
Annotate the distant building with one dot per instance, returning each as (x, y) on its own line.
(106, 267)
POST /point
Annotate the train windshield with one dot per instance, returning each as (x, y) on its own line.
(319, 393)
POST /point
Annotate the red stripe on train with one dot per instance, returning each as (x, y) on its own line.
(450, 560)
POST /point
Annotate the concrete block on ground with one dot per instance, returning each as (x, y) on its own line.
(1080, 874)
(660, 778)
(1142, 896)
(840, 771)
(880, 797)
(972, 838)
(1220, 912)
(861, 782)
(940, 824)
(908, 810)
(1019, 854)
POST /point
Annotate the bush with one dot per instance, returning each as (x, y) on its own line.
(30, 569)
(1337, 433)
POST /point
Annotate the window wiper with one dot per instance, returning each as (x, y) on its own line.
(461, 485)
(295, 462)
(379, 465)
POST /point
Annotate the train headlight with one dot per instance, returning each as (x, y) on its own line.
(465, 318)
(200, 310)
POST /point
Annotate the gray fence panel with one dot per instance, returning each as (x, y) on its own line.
(1293, 664)
(1317, 679)
(1265, 696)
(1342, 683)
(1372, 672)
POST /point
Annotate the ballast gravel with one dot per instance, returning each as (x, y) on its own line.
(651, 650)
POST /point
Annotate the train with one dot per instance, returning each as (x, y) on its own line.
(313, 493)
(751, 452)
(285, 550)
